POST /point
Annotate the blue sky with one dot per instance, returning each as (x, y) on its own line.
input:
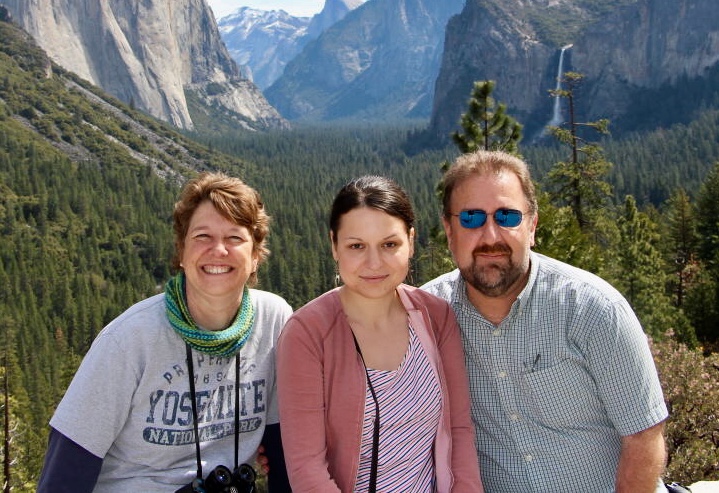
(305, 8)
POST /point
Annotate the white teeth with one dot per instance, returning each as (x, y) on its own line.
(216, 269)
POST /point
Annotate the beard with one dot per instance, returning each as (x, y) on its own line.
(493, 279)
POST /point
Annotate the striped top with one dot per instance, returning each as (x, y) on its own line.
(410, 403)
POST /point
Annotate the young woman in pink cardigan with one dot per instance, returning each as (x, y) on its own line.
(372, 387)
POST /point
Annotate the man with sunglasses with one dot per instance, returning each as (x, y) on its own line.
(565, 394)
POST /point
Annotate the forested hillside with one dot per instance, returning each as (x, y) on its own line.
(87, 187)
(86, 191)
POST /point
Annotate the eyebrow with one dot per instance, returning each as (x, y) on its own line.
(393, 235)
(204, 227)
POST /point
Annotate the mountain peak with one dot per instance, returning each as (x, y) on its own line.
(262, 42)
(146, 52)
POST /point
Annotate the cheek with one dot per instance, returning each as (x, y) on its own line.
(527, 237)
(185, 254)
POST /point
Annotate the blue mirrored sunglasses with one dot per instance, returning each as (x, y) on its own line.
(475, 218)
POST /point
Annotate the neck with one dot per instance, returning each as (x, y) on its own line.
(496, 308)
(211, 313)
(369, 311)
(380, 327)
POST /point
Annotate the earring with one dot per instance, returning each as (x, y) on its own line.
(338, 280)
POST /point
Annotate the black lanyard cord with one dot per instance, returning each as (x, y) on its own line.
(375, 434)
(237, 408)
(191, 369)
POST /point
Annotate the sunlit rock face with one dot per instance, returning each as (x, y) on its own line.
(145, 52)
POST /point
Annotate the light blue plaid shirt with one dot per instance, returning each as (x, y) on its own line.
(557, 382)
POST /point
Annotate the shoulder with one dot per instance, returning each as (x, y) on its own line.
(437, 312)
(270, 301)
(570, 279)
(139, 335)
(325, 304)
(147, 307)
(318, 316)
(142, 318)
(421, 297)
(443, 286)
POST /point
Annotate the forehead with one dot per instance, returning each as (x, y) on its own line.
(366, 221)
(488, 191)
(207, 215)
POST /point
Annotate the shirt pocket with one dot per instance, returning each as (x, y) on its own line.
(564, 395)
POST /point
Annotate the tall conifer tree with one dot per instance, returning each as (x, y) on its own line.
(580, 182)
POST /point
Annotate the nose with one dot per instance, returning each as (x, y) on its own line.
(373, 258)
(219, 248)
(491, 231)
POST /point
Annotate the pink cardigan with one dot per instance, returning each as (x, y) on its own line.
(321, 388)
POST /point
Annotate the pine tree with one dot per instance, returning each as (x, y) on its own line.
(580, 182)
(707, 224)
(486, 124)
(641, 276)
(702, 304)
(681, 247)
(558, 236)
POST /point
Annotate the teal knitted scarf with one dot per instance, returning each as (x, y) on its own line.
(217, 343)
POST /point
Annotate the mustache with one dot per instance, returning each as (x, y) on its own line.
(501, 248)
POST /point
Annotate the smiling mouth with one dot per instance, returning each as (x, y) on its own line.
(374, 278)
(216, 269)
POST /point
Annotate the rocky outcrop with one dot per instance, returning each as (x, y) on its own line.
(623, 52)
(489, 42)
(146, 53)
(378, 63)
(644, 46)
(332, 12)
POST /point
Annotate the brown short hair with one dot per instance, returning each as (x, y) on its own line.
(483, 162)
(233, 199)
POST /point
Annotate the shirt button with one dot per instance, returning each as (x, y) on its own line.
(502, 374)
(528, 458)
(514, 417)
(496, 332)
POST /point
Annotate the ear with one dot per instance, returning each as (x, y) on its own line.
(533, 228)
(411, 242)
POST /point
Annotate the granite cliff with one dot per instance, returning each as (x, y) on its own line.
(147, 53)
(378, 63)
(633, 53)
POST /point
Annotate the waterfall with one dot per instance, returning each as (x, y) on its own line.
(557, 111)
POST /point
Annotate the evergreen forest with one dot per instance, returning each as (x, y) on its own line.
(87, 186)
